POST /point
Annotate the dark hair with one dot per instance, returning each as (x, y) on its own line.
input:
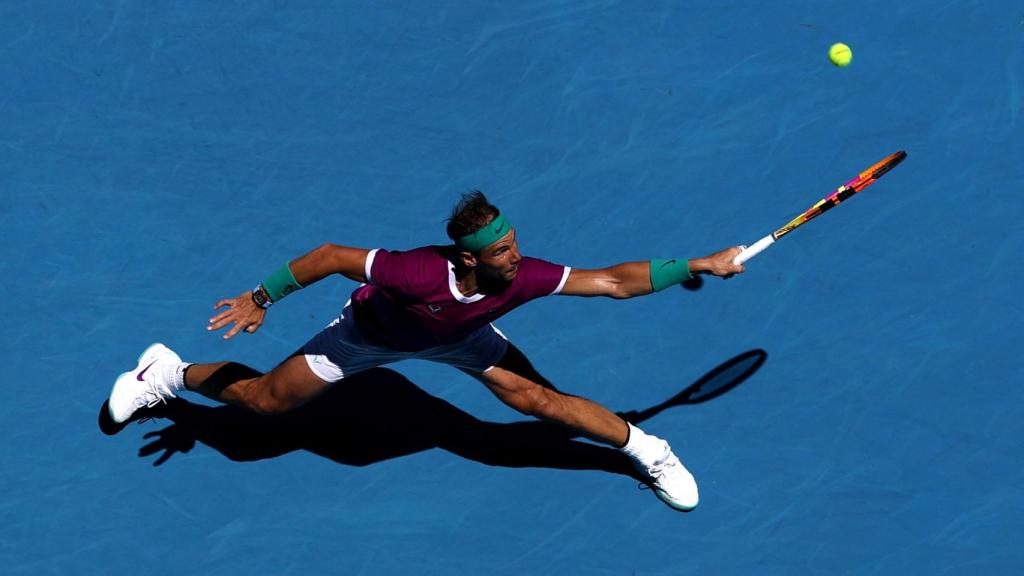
(472, 213)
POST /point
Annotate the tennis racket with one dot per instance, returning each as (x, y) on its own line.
(862, 181)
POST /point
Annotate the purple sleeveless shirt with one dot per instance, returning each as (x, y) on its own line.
(411, 301)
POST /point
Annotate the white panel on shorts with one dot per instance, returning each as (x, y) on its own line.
(341, 349)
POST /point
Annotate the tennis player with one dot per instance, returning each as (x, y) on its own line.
(433, 303)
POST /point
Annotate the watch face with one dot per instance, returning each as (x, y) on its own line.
(260, 298)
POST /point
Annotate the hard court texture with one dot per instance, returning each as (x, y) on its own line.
(158, 156)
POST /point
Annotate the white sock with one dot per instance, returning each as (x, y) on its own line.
(644, 448)
(174, 377)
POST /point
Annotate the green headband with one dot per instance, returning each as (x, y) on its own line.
(484, 237)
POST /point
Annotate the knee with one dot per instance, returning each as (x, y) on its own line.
(538, 402)
(263, 399)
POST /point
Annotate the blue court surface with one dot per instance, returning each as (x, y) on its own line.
(852, 404)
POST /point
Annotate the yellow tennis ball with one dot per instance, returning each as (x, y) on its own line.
(840, 54)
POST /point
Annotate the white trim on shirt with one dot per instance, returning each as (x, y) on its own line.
(369, 264)
(454, 288)
(565, 277)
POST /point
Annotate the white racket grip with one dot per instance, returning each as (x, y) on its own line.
(753, 250)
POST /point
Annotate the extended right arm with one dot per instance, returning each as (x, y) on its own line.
(640, 278)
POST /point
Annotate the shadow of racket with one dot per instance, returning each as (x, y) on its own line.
(718, 381)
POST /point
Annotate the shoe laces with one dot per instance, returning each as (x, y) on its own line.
(661, 469)
(657, 472)
(153, 396)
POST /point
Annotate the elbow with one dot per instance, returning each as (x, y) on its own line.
(628, 281)
(325, 249)
(620, 292)
(327, 253)
(624, 290)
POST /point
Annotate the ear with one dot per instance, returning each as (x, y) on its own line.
(467, 259)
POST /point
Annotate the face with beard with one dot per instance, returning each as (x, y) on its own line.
(498, 263)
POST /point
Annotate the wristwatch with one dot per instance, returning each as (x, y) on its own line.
(261, 298)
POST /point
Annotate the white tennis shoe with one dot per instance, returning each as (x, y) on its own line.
(145, 386)
(671, 481)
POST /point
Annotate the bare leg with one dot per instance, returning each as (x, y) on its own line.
(589, 418)
(515, 382)
(289, 385)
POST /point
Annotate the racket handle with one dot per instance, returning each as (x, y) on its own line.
(753, 250)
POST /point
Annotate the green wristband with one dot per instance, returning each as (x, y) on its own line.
(281, 283)
(665, 273)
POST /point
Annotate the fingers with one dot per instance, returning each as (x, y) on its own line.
(738, 268)
(241, 311)
(240, 326)
(726, 267)
(222, 316)
(234, 302)
(234, 330)
(221, 320)
(232, 314)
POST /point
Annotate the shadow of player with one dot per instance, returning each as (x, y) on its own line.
(379, 414)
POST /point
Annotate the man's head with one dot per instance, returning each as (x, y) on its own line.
(484, 240)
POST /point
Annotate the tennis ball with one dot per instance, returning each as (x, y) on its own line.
(840, 54)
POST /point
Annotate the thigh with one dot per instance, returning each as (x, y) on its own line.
(513, 362)
(579, 414)
(293, 381)
(511, 388)
(517, 363)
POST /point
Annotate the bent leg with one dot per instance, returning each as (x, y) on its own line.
(289, 385)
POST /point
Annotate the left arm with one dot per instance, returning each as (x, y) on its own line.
(634, 278)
